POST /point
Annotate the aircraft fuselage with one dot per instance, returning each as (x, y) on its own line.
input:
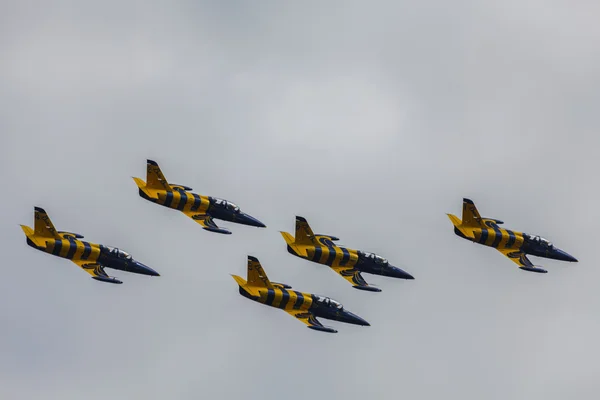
(182, 200)
(293, 300)
(74, 249)
(494, 236)
(340, 256)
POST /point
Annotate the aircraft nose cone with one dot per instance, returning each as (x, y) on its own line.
(562, 255)
(145, 270)
(398, 273)
(249, 220)
(354, 319)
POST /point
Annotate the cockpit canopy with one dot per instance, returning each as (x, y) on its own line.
(539, 240)
(227, 204)
(374, 257)
(328, 302)
(119, 253)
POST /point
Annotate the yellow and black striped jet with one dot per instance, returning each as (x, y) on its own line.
(202, 209)
(306, 307)
(348, 263)
(92, 257)
(515, 245)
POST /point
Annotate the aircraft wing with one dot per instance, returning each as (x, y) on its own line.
(309, 319)
(520, 258)
(96, 271)
(206, 221)
(353, 276)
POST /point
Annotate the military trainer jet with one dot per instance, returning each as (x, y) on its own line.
(93, 258)
(348, 263)
(514, 245)
(306, 307)
(201, 209)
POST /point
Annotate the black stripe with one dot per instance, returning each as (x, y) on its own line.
(270, 297)
(285, 297)
(299, 300)
(57, 247)
(345, 257)
(197, 202)
(182, 200)
(498, 237)
(331, 257)
(511, 239)
(484, 236)
(317, 255)
(169, 199)
(86, 251)
(72, 249)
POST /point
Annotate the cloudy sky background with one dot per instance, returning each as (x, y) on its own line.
(370, 120)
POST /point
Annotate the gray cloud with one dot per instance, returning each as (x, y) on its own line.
(370, 121)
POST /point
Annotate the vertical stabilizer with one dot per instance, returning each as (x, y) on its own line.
(43, 227)
(155, 178)
(256, 274)
(470, 215)
(304, 234)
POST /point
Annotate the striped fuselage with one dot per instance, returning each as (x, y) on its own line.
(339, 256)
(70, 248)
(329, 254)
(494, 236)
(281, 298)
(181, 200)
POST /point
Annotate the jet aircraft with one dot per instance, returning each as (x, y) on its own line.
(515, 245)
(92, 257)
(202, 209)
(348, 263)
(306, 307)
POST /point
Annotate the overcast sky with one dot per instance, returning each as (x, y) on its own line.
(370, 119)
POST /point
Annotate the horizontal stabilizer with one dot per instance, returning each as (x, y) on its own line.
(291, 245)
(106, 279)
(534, 269)
(367, 288)
(322, 328)
(458, 227)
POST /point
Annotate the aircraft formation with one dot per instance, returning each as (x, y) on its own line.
(318, 248)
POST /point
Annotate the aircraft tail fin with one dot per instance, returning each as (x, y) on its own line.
(256, 274)
(155, 180)
(43, 227)
(304, 234)
(470, 215)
